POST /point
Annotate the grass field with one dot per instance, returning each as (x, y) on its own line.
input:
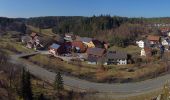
(12, 46)
(130, 49)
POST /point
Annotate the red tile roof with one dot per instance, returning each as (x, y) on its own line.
(153, 38)
(80, 45)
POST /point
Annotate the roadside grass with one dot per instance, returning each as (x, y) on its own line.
(141, 96)
(122, 73)
(130, 49)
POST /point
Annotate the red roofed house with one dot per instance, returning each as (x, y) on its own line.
(153, 39)
(78, 46)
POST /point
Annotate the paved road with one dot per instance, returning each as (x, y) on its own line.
(121, 89)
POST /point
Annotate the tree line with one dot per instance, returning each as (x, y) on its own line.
(12, 24)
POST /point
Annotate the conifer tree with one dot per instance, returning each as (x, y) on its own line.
(25, 86)
(58, 83)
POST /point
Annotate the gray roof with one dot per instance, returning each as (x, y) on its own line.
(85, 39)
(55, 46)
(116, 55)
(26, 38)
(95, 51)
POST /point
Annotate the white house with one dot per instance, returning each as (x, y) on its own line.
(168, 33)
(116, 57)
(164, 42)
(140, 43)
(146, 52)
(142, 52)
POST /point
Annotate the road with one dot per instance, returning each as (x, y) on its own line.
(122, 89)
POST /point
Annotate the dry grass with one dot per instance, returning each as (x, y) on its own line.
(144, 96)
(11, 46)
(61, 65)
(130, 49)
(45, 32)
(119, 73)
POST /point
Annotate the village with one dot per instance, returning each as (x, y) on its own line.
(93, 51)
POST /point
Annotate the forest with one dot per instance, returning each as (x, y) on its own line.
(114, 29)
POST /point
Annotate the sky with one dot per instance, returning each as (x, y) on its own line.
(126, 8)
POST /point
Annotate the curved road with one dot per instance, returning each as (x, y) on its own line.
(123, 89)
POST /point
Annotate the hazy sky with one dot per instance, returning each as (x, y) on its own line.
(128, 8)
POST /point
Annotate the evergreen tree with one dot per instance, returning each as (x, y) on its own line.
(28, 87)
(25, 86)
(58, 83)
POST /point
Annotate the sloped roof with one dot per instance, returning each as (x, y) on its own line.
(26, 38)
(96, 51)
(98, 43)
(85, 39)
(116, 55)
(153, 38)
(79, 44)
(33, 34)
(55, 46)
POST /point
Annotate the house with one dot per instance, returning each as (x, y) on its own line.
(153, 39)
(87, 41)
(106, 45)
(69, 37)
(56, 49)
(140, 43)
(165, 42)
(116, 57)
(146, 52)
(78, 46)
(33, 35)
(33, 41)
(25, 39)
(98, 43)
(44, 42)
(95, 55)
(168, 33)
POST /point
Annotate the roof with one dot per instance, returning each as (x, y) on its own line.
(79, 44)
(26, 38)
(33, 34)
(153, 38)
(116, 55)
(98, 43)
(95, 51)
(55, 46)
(85, 39)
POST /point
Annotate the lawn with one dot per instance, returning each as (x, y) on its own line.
(131, 49)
